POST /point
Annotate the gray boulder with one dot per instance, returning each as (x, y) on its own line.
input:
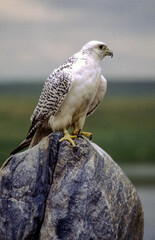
(56, 192)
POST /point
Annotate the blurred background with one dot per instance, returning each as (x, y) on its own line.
(37, 36)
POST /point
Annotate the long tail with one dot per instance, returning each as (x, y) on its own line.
(34, 136)
(22, 145)
(28, 138)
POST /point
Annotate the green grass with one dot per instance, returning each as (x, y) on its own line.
(123, 127)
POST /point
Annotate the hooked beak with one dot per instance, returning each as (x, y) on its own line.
(108, 52)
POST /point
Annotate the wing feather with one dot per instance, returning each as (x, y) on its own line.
(99, 95)
(53, 94)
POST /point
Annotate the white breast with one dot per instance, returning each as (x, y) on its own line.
(79, 99)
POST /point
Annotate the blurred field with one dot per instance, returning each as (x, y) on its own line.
(123, 126)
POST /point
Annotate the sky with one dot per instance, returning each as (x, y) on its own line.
(37, 36)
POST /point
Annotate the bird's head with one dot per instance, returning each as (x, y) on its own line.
(97, 49)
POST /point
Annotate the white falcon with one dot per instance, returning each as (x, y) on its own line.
(70, 94)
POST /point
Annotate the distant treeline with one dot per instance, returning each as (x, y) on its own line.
(115, 88)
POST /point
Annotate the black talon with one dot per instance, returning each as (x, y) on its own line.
(91, 136)
(80, 136)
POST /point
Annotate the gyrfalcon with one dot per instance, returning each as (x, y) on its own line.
(70, 94)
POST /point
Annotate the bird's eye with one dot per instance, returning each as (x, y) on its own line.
(101, 47)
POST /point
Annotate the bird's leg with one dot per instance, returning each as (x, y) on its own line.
(68, 137)
(78, 131)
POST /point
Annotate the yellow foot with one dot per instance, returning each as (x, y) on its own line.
(77, 132)
(86, 134)
(69, 138)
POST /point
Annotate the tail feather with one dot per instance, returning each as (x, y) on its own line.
(35, 134)
(28, 139)
(22, 145)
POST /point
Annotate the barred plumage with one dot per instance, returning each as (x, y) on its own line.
(72, 92)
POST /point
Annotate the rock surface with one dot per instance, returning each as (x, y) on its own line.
(56, 192)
